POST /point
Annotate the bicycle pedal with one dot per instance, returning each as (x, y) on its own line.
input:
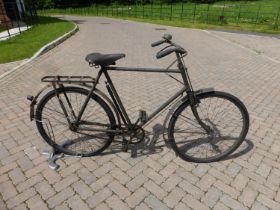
(143, 116)
(124, 145)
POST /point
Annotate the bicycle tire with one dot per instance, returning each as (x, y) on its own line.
(44, 124)
(232, 103)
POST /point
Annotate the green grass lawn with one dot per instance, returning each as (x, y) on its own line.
(260, 16)
(2, 28)
(29, 42)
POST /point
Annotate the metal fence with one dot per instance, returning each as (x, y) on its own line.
(15, 17)
(216, 14)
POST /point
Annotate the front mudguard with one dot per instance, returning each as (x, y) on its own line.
(178, 104)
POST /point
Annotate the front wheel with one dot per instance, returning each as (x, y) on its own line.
(227, 119)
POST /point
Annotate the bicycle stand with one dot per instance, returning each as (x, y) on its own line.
(53, 157)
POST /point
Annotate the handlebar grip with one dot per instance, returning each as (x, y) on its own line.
(157, 43)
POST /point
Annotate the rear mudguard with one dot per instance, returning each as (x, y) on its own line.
(179, 103)
(96, 91)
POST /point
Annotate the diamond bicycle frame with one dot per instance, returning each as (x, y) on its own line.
(119, 105)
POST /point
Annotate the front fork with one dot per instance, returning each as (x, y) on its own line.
(194, 102)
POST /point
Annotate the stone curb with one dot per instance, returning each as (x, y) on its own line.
(44, 49)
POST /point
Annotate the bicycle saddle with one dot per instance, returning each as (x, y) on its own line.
(103, 59)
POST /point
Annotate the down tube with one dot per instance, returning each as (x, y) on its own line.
(158, 110)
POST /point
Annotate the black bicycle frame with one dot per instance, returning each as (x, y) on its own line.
(117, 101)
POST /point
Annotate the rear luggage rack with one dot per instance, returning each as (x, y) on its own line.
(68, 79)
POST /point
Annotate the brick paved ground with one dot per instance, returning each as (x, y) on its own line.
(8, 66)
(155, 178)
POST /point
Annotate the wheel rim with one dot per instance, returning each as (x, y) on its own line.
(56, 128)
(226, 121)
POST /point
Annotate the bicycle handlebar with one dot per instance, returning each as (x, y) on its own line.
(167, 39)
(158, 43)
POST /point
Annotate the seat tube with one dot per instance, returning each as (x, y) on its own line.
(117, 100)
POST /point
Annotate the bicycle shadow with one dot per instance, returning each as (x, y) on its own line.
(155, 141)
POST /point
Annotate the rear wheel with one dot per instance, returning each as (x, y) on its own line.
(56, 130)
(224, 114)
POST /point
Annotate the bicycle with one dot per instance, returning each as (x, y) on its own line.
(203, 126)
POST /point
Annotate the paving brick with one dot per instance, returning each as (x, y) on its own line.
(231, 203)
(232, 169)
(174, 197)
(206, 182)
(227, 189)
(6, 168)
(19, 198)
(120, 176)
(86, 176)
(102, 206)
(4, 178)
(262, 189)
(258, 206)
(156, 177)
(240, 182)
(137, 197)
(58, 198)
(76, 202)
(123, 165)
(44, 189)
(17, 176)
(171, 182)
(137, 169)
(181, 172)
(142, 206)
(168, 170)
(136, 182)
(89, 164)
(155, 203)
(24, 163)
(101, 183)
(65, 182)
(181, 206)
(33, 171)
(36, 203)
(191, 189)
(70, 169)
(103, 169)
(264, 170)
(31, 152)
(220, 206)
(115, 203)
(200, 170)
(2, 205)
(119, 189)
(51, 176)
(219, 175)
(248, 197)
(268, 202)
(62, 207)
(211, 197)
(152, 163)
(194, 203)
(21, 207)
(29, 182)
(99, 197)
(155, 189)
(8, 190)
(82, 189)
